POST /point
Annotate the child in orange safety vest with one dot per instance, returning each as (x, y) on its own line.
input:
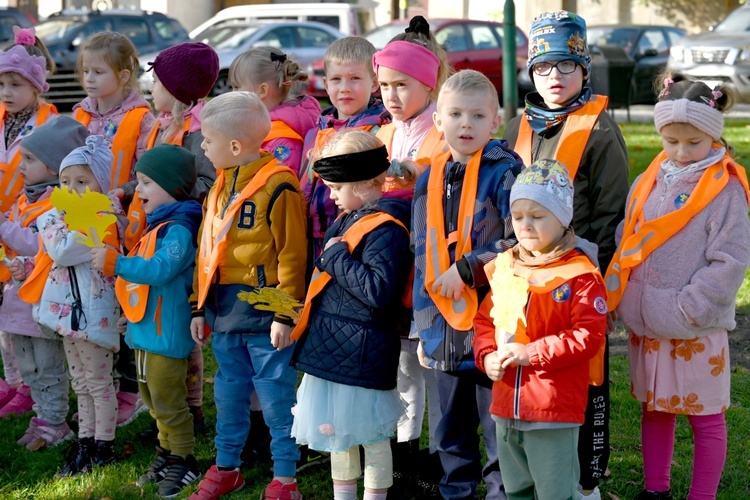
(535, 333)
(23, 73)
(153, 286)
(278, 81)
(41, 359)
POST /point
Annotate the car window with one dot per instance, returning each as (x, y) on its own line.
(6, 27)
(136, 30)
(452, 38)
(674, 36)
(652, 39)
(168, 29)
(520, 37)
(236, 39)
(279, 38)
(622, 37)
(380, 36)
(314, 37)
(329, 20)
(736, 21)
(214, 36)
(482, 37)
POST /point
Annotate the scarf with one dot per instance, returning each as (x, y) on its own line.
(541, 118)
(33, 193)
(15, 123)
(526, 260)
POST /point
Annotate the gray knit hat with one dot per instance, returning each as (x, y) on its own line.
(52, 141)
(97, 154)
(548, 183)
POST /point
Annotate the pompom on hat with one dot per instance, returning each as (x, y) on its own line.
(548, 183)
(555, 36)
(188, 70)
(97, 154)
(409, 58)
(32, 68)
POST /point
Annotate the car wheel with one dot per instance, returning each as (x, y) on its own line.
(222, 84)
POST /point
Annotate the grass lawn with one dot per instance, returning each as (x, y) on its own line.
(26, 474)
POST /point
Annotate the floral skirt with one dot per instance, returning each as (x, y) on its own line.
(334, 417)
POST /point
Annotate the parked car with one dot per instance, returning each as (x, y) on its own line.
(648, 46)
(9, 17)
(349, 18)
(64, 32)
(720, 55)
(303, 41)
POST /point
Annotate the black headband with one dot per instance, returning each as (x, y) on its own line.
(353, 167)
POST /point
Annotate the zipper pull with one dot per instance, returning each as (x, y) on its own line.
(448, 191)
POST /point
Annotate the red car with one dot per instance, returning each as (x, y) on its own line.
(470, 44)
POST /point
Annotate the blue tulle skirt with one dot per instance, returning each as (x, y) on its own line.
(334, 417)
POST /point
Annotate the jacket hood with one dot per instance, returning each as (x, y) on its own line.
(397, 207)
(133, 100)
(188, 213)
(496, 149)
(375, 114)
(301, 114)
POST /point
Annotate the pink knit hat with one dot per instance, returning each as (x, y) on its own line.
(33, 68)
(409, 58)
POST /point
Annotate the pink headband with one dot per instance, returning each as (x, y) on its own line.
(33, 68)
(410, 59)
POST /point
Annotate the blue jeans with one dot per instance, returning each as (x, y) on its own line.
(249, 362)
(465, 404)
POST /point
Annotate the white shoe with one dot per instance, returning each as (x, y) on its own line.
(594, 494)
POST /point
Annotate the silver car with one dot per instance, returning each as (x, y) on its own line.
(720, 55)
(303, 41)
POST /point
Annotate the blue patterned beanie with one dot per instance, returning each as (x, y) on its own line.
(555, 36)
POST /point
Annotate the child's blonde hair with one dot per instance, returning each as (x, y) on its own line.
(178, 111)
(351, 49)
(468, 81)
(117, 51)
(352, 140)
(419, 33)
(268, 65)
(238, 115)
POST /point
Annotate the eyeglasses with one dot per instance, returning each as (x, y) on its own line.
(565, 67)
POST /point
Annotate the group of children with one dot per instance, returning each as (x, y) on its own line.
(433, 264)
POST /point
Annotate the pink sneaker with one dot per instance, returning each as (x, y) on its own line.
(129, 406)
(277, 490)
(6, 393)
(20, 404)
(41, 434)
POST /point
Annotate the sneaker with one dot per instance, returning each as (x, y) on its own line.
(310, 458)
(45, 435)
(6, 393)
(20, 404)
(157, 470)
(594, 494)
(129, 406)
(180, 472)
(217, 483)
(277, 490)
(77, 458)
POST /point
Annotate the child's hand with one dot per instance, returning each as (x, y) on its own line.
(493, 366)
(281, 335)
(332, 241)
(17, 270)
(513, 354)
(122, 325)
(421, 357)
(118, 193)
(98, 256)
(449, 284)
(198, 330)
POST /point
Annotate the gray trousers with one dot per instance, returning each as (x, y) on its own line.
(42, 365)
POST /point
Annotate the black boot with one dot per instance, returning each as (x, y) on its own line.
(405, 460)
(258, 445)
(104, 453)
(430, 472)
(78, 458)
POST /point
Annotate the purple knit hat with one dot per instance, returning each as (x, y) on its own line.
(410, 59)
(32, 68)
(188, 71)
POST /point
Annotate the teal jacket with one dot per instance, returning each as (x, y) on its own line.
(165, 327)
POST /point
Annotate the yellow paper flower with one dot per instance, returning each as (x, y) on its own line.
(89, 213)
(509, 296)
(2, 253)
(272, 299)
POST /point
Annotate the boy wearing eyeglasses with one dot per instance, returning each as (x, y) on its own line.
(563, 120)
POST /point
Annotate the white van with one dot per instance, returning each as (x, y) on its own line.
(350, 19)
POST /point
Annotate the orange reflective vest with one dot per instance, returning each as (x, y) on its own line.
(280, 130)
(136, 215)
(545, 280)
(31, 289)
(641, 237)
(124, 143)
(133, 297)
(433, 143)
(11, 181)
(574, 137)
(211, 253)
(25, 213)
(320, 279)
(460, 314)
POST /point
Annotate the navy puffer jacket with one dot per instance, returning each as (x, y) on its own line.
(356, 322)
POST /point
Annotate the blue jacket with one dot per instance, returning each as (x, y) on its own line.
(356, 322)
(170, 274)
(447, 349)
